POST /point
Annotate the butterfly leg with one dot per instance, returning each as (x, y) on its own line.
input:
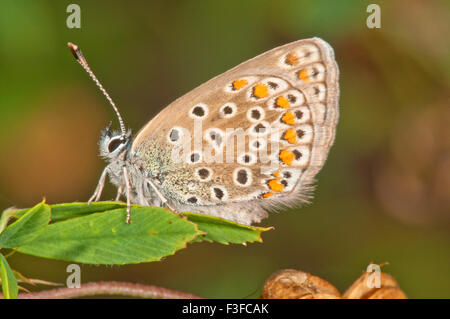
(119, 193)
(127, 185)
(99, 189)
(162, 198)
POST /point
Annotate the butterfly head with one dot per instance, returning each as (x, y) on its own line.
(113, 144)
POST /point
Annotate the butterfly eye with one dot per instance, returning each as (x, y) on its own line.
(114, 144)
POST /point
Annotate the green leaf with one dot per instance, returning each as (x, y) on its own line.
(224, 231)
(105, 238)
(29, 226)
(9, 282)
(66, 211)
(216, 229)
(97, 233)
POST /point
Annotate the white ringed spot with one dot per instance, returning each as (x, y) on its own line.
(256, 114)
(228, 110)
(204, 174)
(199, 111)
(219, 192)
(242, 176)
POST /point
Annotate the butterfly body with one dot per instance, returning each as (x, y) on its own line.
(247, 141)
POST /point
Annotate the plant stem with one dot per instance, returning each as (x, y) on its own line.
(110, 288)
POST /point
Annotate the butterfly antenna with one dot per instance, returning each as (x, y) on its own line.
(82, 60)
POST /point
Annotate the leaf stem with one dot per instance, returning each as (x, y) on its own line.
(110, 288)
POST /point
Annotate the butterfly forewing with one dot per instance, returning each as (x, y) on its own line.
(259, 132)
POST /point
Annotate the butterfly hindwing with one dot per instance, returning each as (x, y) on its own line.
(255, 135)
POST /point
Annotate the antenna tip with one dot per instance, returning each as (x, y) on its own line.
(75, 50)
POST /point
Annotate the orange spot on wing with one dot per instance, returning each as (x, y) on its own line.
(291, 59)
(287, 157)
(303, 75)
(239, 84)
(282, 102)
(290, 136)
(275, 185)
(276, 174)
(288, 118)
(267, 195)
(260, 91)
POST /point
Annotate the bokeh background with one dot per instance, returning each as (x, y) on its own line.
(383, 195)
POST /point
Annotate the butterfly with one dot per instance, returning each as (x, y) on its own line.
(245, 142)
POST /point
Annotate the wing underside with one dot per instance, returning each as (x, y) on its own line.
(251, 138)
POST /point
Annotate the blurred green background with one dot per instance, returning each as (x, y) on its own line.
(383, 195)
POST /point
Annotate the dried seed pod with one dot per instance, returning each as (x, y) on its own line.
(388, 293)
(364, 288)
(295, 284)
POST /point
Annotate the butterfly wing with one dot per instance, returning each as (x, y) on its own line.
(249, 139)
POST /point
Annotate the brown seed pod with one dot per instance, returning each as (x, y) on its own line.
(295, 284)
(361, 289)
